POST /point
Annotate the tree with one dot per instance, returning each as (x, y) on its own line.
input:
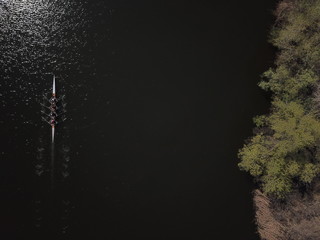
(285, 149)
(277, 159)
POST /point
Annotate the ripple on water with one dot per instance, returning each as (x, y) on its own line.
(39, 37)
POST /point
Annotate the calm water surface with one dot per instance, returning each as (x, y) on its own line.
(160, 96)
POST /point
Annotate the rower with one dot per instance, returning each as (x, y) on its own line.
(53, 114)
(53, 108)
(53, 122)
(53, 100)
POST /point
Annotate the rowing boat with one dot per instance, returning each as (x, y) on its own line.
(56, 109)
(54, 97)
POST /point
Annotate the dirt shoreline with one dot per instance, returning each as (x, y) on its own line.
(296, 218)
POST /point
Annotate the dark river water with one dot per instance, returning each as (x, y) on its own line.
(160, 96)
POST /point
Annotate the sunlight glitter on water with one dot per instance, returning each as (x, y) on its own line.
(38, 37)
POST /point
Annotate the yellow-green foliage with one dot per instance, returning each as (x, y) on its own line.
(282, 156)
(295, 128)
(298, 34)
(285, 150)
(286, 85)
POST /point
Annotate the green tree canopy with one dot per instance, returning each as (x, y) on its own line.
(286, 149)
(284, 154)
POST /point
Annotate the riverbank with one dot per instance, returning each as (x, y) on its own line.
(298, 218)
(284, 153)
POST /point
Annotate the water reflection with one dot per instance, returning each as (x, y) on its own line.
(39, 167)
(52, 204)
(66, 161)
(40, 31)
(39, 36)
